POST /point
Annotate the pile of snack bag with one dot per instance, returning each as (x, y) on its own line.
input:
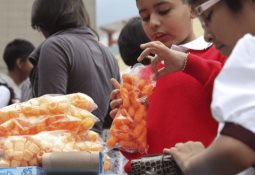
(50, 123)
(129, 131)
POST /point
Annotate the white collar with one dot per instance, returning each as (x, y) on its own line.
(197, 44)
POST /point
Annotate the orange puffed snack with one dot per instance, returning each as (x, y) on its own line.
(107, 163)
(129, 131)
(78, 105)
(37, 124)
(82, 101)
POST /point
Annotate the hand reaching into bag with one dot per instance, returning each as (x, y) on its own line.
(173, 61)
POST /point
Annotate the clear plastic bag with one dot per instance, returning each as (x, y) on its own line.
(51, 123)
(129, 130)
(28, 150)
(37, 124)
(77, 104)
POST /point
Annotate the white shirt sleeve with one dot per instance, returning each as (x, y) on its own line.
(234, 88)
(5, 96)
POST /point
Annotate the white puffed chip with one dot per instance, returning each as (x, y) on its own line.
(8, 154)
(19, 145)
(33, 148)
(27, 155)
(18, 155)
(8, 145)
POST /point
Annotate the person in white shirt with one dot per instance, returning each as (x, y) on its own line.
(230, 25)
(19, 67)
(5, 96)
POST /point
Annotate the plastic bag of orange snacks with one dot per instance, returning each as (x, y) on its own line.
(129, 131)
(36, 124)
(28, 150)
(50, 104)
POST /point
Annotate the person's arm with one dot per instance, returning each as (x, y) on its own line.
(225, 156)
(53, 68)
(5, 96)
(203, 70)
(174, 61)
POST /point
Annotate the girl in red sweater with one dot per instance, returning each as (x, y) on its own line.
(179, 108)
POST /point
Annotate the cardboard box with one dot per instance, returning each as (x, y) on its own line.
(30, 170)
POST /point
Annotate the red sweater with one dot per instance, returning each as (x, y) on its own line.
(179, 108)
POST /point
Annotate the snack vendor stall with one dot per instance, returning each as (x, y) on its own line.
(51, 135)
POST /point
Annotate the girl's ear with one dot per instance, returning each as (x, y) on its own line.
(192, 13)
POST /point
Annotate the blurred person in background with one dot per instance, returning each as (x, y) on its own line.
(6, 95)
(131, 37)
(71, 59)
(19, 67)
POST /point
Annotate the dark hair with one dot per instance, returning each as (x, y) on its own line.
(234, 5)
(17, 48)
(130, 38)
(55, 15)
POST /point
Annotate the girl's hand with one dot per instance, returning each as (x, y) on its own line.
(172, 60)
(183, 152)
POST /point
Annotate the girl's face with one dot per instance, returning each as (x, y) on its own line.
(168, 21)
(225, 27)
